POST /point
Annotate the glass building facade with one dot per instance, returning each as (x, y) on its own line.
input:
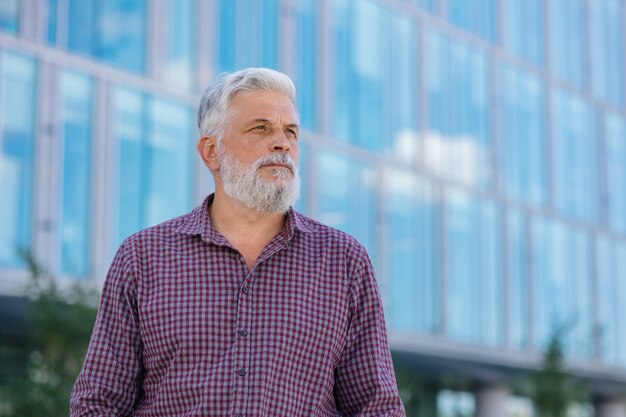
(475, 147)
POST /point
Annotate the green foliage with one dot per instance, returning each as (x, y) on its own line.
(553, 390)
(60, 321)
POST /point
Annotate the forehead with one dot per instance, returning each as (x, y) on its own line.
(262, 105)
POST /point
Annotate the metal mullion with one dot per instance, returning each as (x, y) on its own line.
(423, 108)
(287, 34)
(158, 27)
(324, 105)
(530, 279)
(206, 11)
(101, 203)
(443, 319)
(54, 128)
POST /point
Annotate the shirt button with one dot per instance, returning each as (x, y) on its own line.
(245, 290)
(243, 333)
(242, 372)
(239, 415)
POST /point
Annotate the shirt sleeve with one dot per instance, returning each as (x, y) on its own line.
(365, 383)
(109, 383)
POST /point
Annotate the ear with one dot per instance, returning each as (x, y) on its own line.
(207, 148)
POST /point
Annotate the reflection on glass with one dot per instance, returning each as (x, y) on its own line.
(615, 157)
(76, 99)
(457, 143)
(607, 50)
(128, 121)
(477, 16)
(306, 80)
(609, 321)
(248, 34)
(567, 20)
(302, 205)
(455, 404)
(169, 157)
(429, 5)
(181, 45)
(473, 256)
(575, 137)
(561, 262)
(17, 112)
(517, 273)
(523, 29)
(522, 134)
(360, 30)
(620, 267)
(412, 252)
(9, 15)
(112, 30)
(346, 198)
(375, 95)
(155, 157)
(52, 21)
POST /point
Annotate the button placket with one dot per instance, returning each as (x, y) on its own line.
(242, 358)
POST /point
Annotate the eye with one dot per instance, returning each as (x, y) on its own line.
(292, 133)
(260, 128)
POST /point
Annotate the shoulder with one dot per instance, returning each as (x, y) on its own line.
(331, 238)
(164, 231)
(154, 242)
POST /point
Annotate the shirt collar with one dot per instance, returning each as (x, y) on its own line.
(198, 222)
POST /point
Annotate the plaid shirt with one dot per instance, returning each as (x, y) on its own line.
(185, 329)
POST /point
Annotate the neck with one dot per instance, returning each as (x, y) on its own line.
(233, 219)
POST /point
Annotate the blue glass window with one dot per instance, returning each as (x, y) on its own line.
(523, 29)
(155, 160)
(111, 30)
(248, 34)
(10, 15)
(346, 197)
(567, 23)
(522, 134)
(169, 152)
(129, 121)
(609, 323)
(53, 12)
(615, 155)
(375, 94)
(575, 157)
(473, 284)
(429, 5)
(413, 253)
(17, 137)
(306, 80)
(457, 142)
(561, 269)
(607, 50)
(619, 268)
(76, 99)
(455, 404)
(181, 45)
(477, 16)
(517, 268)
(303, 203)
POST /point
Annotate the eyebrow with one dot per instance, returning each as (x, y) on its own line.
(261, 120)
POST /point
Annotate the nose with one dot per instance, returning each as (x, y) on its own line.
(281, 142)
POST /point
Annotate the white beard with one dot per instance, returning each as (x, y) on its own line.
(250, 188)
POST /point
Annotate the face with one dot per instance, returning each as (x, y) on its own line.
(257, 157)
(261, 123)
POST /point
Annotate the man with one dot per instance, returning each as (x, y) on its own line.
(243, 307)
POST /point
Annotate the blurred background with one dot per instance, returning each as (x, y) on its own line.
(477, 148)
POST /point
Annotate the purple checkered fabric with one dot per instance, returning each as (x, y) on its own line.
(185, 329)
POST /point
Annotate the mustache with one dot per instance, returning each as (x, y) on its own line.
(277, 158)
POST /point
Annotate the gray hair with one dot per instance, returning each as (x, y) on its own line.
(212, 113)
